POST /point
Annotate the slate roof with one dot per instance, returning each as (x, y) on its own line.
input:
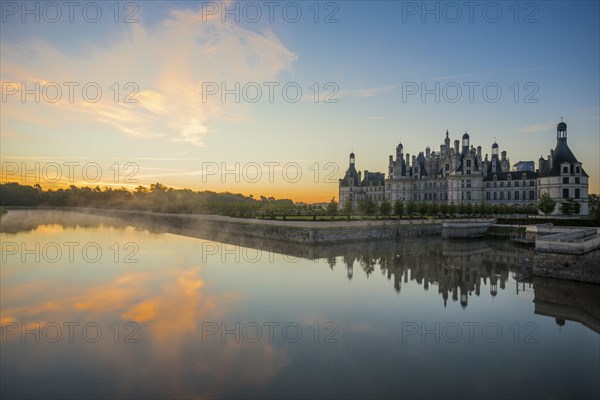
(562, 154)
(515, 176)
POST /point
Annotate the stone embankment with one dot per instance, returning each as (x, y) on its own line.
(581, 268)
(307, 232)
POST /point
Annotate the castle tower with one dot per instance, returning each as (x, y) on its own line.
(562, 175)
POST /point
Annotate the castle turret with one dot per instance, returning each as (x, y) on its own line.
(465, 143)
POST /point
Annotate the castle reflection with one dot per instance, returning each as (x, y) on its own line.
(457, 268)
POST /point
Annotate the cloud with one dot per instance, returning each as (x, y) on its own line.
(536, 128)
(367, 92)
(166, 66)
(470, 74)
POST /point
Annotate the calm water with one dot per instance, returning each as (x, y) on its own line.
(93, 307)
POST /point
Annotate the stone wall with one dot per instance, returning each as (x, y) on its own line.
(304, 232)
(582, 268)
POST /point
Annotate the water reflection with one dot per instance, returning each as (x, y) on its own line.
(571, 301)
(176, 287)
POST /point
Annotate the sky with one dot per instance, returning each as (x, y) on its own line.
(269, 98)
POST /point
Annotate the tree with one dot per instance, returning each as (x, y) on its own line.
(444, 209)
(479, 209)
(531, 209)
(370, 207)
(452, 209)
(469, 209)
(423, 208)
(570, 207)
(546, 204)
(433, 209)
(385, 208)
(411, 207)
(347, 208)
(399, 208)
(594, 200)
(332, 207)
(367, 207)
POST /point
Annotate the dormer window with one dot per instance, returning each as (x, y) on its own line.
(566, 169)
(577, 170)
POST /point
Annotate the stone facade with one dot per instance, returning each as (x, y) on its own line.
(458, 173)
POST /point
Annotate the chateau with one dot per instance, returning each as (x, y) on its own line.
(459, 173)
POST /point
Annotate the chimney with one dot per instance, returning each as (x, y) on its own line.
(479, 151)
(407, 160)
(427, 151)
(391, 160)
(456, 147)
(541, 163)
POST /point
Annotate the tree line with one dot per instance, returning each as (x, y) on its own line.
(411, 208)
(157, 198)
(160, 198)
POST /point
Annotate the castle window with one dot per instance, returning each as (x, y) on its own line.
(578, 170)
(501, 184)
(524, 194)
(565, 193)
(565, 170)
(577, 193)
(508, 194)
(531, 195)
(508, 184)
(516, 195)
(487, 195)
(531, 183)
(565, 180)
(516, 183)
(577, 180)
(495, 196)
(447, 167)
(468, 183)
(501, 195)
(487, 184)
(468, 163)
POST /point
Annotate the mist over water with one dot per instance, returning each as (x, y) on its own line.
(93, 306)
